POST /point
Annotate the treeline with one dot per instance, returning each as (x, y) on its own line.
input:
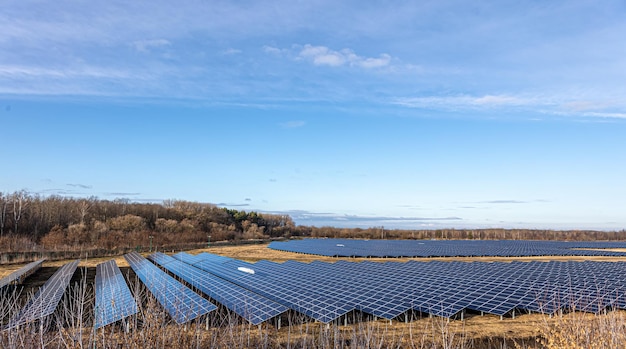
(29, 221)
(463, 234)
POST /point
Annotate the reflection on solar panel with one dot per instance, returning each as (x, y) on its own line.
(113, 298)
(249, 305)
(446, 248)
(180, 302)
(45, 301)
(193, 259)
(325, 291)
(18, 276)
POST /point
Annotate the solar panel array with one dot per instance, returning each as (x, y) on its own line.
(179, 301)
(249, 305)
(113, 298)
(45, 301)
(326, 291)
(446, 248)
(22, 273)
(299, 299)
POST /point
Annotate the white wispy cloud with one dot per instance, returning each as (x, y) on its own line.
(325, 56)
(465, 102)
(231, 51)
(545, 104)
(322, 55)
(273, 50)
(147, 45)
(63, 72)
(606, 115)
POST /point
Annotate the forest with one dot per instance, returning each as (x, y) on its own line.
(30, 222)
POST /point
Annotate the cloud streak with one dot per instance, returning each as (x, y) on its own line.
(226, 204)
(546, 104)
(121, 194)
(293, 124)
(319, 55)
(77, 185)
(146, 46)
(467, 102)
(342, 220)
(322, 55)
(504, 202)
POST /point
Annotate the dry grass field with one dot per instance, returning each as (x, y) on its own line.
(475, 331)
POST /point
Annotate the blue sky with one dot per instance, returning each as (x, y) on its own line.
(405, 114)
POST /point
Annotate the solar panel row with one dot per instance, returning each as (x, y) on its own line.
(179, 301)
(325, 291)
(113, 298)
(249, 305)
(22, 273)
(446, 248)
(45, 301)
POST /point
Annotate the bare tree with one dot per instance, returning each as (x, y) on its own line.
(83, 208)
(20, 201)
(4, 203)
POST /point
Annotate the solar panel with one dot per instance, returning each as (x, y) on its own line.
(249, 305)
(309, 301)
(326, 291)
(45, 301)
(193, 259)
(179, 301)
(447, 248)
(18, 276)
(113, 298)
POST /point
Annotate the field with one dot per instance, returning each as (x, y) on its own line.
(152, 329)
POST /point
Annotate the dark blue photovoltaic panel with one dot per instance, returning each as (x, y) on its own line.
(178, 300)
(193, 259)
(113, 298)
(187, 258)
(45, 301)
(326, 291)
(249, 305)
(22, 273)
(310, 302)
(446, 248)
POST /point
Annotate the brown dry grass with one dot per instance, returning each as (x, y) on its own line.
(602, 249)
(8, 269)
